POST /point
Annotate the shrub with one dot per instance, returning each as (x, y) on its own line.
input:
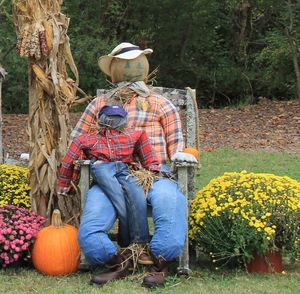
(18, 230)
(14, 186)
(238, 214)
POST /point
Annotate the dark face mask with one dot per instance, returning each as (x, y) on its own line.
(112, 121)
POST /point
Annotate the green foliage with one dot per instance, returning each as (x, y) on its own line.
(14, 186)
(274, 64)
(15, 90)
(223, 51)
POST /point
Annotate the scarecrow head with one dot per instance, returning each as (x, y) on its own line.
(113, 117)
(126, 63)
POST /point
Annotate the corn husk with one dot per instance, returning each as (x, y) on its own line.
(43, 79)
(42, 37)
(66, 89)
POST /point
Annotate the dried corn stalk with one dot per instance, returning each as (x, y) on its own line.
(42, 37)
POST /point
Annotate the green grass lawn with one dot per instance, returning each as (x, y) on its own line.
(214, 164)
(204, 278)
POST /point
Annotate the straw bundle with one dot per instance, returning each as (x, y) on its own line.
(122, 96)
(42, 37)
(144, 178)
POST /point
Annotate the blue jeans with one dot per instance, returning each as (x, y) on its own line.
(128, 198)
(169, 216)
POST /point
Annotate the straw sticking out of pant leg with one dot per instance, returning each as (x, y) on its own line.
(145, 178)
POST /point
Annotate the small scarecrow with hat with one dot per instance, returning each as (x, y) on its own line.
(128, 68)
(113, 149)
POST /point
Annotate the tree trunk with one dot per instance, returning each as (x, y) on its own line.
(244, 21)
(293, 45)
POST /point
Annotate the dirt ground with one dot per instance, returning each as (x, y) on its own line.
(269, 125)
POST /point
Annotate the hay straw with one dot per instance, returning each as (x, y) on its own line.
(144, 178)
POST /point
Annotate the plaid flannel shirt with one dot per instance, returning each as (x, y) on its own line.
(154, 114)
(107, 146)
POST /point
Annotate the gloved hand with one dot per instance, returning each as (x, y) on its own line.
(183, 157)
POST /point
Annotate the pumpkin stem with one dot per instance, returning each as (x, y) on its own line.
(56, 219)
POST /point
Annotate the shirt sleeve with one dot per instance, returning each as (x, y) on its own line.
(67, 166)
(88, 118)
(146, 153)
(171, 124)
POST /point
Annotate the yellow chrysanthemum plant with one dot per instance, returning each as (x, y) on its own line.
(240, 213)
(14, 186)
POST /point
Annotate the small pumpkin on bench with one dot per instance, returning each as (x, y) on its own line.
(192, 151)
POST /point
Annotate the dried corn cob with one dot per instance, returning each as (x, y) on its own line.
(18, 44)
(24, 40)
(43, 79)
(48, 34)
(34, 45)
(43, 44)
(65, 89)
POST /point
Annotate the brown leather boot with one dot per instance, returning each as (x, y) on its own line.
(118, 266)
(139, 254)
(144, 256)
(157, 274)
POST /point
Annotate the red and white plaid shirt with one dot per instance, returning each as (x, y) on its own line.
(108, 145)
(154, 114)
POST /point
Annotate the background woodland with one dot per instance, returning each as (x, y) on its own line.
(231, 51)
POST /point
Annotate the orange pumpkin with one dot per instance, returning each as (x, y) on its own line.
(192, 151)
(56, 250)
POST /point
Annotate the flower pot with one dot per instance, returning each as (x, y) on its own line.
(271, 262)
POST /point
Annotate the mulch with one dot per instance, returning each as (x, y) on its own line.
(268, 125)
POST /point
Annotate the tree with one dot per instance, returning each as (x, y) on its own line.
(229, 50)
(289, 32)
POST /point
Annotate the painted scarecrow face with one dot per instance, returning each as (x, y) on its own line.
(129, 70)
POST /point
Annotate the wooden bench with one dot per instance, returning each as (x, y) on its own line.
(185, 102)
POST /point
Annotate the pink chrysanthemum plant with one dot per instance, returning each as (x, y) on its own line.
(18, 230)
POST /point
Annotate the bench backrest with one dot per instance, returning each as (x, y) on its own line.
(185, 101)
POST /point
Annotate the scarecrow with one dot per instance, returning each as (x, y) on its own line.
(128, 68)
(113, 149)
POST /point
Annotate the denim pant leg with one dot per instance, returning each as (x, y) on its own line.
(169, 216)
(136, 206)
(104, 175)
(97, 219)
